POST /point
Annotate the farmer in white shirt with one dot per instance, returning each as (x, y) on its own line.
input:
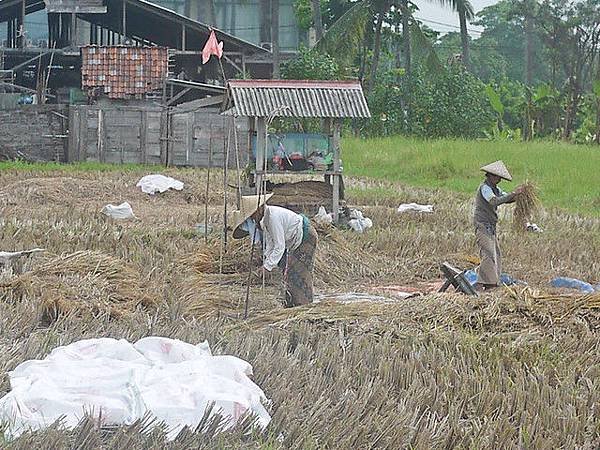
(489, 196)
(289, 242)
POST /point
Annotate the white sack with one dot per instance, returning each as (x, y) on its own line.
(358, 222)
(322, 217)
(415, 207)
(118, 383)
(122, 211)
(151, 184)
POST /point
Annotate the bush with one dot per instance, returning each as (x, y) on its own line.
(311, 65)
(452, 103)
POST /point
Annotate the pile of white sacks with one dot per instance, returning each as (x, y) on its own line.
(118, 383)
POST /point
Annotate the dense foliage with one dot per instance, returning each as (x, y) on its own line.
(532, 72)
(451, 103)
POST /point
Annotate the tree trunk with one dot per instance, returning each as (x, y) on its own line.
(528, 49)
(406, 37)
(275, 37)
(376, 48)
(464, 38)
(317, 18)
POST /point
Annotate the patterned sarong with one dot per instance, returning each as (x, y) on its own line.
(490, 268)
(297, 267)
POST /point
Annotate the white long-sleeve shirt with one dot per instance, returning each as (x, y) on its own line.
(282, 230)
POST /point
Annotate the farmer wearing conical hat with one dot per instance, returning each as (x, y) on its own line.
(289, 242)
(489, 196)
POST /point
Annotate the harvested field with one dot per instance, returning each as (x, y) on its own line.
(517, 368)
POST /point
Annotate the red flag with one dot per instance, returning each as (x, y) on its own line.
(212, 47)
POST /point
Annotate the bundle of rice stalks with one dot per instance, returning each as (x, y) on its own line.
(339, 260)
(212, 258)
(527, 203)
(84, 283)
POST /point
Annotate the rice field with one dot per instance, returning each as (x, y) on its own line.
(517, 368)
(566, 174)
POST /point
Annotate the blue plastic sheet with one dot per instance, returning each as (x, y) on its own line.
(505, 279)
(572, 283)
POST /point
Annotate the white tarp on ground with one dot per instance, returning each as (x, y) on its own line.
(122, 211)
(119, 383)
(151, 184)
(415, 207)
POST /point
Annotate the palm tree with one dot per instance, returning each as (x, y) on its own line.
(464, 8)
(345, 35)
(317, 19)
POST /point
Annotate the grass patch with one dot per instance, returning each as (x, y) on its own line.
(88, 166)
(566, 174)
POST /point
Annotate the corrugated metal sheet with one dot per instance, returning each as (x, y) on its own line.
(289, 98)
(122, 72)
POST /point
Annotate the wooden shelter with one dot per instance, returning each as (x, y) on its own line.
(263, 100)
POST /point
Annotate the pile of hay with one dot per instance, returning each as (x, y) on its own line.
(340, 260)
(40, 191)
(527, 203)
(504, 312)
(84, 283)
(219, 287)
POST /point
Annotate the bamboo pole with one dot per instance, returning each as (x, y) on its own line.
(225, 175)
(207, 185)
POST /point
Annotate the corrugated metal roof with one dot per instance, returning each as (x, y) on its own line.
(124, 72)
(296, 98)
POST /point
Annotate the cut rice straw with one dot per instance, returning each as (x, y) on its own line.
(527, 203)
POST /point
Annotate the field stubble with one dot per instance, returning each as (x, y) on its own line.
(508, 370)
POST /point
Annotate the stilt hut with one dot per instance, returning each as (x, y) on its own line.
(300, 154)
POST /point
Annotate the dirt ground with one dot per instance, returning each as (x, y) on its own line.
(514, 369)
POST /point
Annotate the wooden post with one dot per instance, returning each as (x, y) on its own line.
(100, 135)
(261, 149)
(337, 131)
(22, 39)
(183, 37)
(251, 129)
(73, 35)
(143, 136)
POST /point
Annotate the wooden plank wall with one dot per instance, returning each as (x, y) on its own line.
(151, 135)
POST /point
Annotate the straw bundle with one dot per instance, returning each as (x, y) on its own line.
(527, 204)
(84, 283)
(339, 259)
(212, 258)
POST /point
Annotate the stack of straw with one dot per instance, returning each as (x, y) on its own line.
(84, 283)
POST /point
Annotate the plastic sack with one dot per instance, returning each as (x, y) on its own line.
(358, 222)
(118, 383)
(534, 228)
(122, 211)
(322, 217)
(505, 279)
(151, 184)
(572, 283)
(415, 207)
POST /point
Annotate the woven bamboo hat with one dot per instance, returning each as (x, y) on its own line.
(248, 206)
(498, 168)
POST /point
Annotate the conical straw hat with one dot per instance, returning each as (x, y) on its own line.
(248, 206)
(498, 168)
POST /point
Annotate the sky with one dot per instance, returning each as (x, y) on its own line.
(431, 12)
